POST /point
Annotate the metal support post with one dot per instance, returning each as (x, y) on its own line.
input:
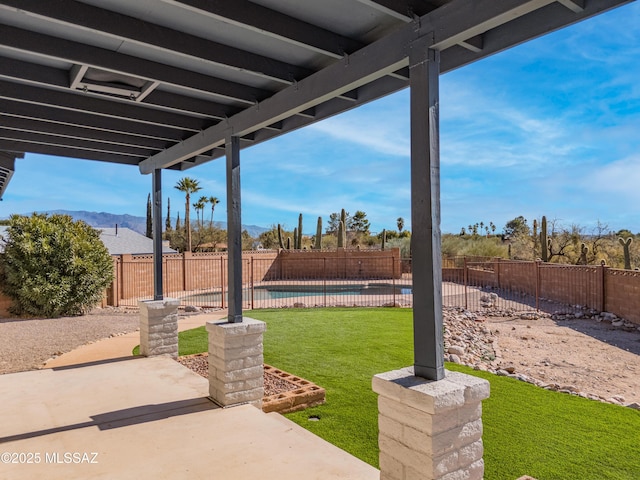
(424, 72)
(234, 229)
(222, 291)
(393, 277)
(252, 288)
(157, 233)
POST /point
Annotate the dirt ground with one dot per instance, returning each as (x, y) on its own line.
(579, 354)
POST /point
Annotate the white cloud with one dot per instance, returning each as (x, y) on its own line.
(381, 127)
(620, 179)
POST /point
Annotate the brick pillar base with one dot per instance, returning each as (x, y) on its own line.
(236, 372)
(430, 429)
(159, 327)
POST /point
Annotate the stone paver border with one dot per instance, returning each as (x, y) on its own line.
(308, 394)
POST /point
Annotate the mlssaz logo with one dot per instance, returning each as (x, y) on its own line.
(71, 457)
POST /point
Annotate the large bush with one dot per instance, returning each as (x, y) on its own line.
(53, 266)
(473, 246)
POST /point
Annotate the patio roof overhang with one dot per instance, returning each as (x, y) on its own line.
(168, 84)
(161, 83)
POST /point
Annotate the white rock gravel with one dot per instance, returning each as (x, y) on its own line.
(587, 338)
(26, 344)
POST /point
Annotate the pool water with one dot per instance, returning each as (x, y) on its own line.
(277, 292)
(290, 291)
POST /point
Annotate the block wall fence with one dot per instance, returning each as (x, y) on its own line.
(202, 271)
(598, 287)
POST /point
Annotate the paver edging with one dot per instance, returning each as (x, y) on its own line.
(308, 394)
(303, 394)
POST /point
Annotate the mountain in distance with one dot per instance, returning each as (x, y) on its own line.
(137, 224)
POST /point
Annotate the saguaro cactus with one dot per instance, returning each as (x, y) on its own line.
(341, 234)
(384, 238)
(318, 243)
(627, 255)
(544, 245)
(299, 239)
(583, 254)
(280, 239)
(295, 239)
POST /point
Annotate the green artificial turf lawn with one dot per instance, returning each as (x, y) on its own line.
(189, 342)
(527, 430)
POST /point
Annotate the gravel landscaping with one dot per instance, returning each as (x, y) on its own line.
(28, 343)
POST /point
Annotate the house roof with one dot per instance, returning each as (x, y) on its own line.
(162, 83)
(126, 241)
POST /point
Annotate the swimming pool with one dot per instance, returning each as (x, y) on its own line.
(285, 291)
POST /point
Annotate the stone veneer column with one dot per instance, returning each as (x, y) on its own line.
(430, 429)
(159, 327)
(236, 372)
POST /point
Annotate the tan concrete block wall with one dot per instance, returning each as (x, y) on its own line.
(236, 362)
(518, 276)
(159, 328)
(481, 278)
(430, 429)
(172, 272)
(602, 289)
(574, 285)
(202, 270)
(340, 264)
(195, 271)
(622, 293)
(455, 275)
(181, 272)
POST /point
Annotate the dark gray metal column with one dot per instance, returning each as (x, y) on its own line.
(157, 233)
(234, 229)
(428, 341)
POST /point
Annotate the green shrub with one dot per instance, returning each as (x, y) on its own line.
(473, 245)
(53, 266)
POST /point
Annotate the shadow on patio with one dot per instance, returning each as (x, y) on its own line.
(150, 418)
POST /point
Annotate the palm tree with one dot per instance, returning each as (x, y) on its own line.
(202, 202)
(400, 224)
(188, 186)
(198, 207)
(213, 201)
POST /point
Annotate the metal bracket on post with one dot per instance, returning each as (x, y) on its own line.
(424, 73)
(234, 229)
(157, 233)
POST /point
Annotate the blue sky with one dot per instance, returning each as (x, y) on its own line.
(551, 127)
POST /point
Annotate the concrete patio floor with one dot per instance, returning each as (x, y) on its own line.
(150, 418)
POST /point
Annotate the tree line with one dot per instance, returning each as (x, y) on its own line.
(551, 241)
(203, 235)
(187, 236)
(355, 232)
